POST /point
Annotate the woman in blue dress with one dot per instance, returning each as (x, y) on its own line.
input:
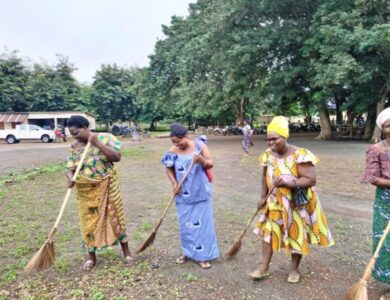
(193, 200)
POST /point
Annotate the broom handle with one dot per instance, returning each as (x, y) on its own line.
(370, 266)
(382, 240)
(86, 149)
(174, 195)
(255, 214)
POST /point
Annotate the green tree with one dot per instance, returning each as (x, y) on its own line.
(13, 80)
(53, 88)
(113, 94)
(349, 53)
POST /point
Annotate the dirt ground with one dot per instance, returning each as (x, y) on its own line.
(28, 208)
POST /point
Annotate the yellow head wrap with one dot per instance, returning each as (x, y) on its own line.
(279, 125)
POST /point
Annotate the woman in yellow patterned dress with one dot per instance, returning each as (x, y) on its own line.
(99, 200)
(287, 221)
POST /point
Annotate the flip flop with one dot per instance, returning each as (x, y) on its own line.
(204, 264)
(293, 278)
(181, 260)
(89, 264)
(257, 275)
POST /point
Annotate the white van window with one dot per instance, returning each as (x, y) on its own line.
(23, 127)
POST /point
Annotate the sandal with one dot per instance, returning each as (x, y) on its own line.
(293, 277)
(89, 264)
(257, 275)
(129, 260)
(181, 260)
(204, 264)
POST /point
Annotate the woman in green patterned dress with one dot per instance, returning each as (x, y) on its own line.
(378, 173)
(99, 200)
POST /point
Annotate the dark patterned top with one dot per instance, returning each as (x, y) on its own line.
(377, 165)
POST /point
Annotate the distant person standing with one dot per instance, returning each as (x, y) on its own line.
(247, 132)
(377, 173)
(60, 132)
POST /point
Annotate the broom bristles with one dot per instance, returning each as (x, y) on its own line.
(358, 291)
(43, 259)
(234, 249)
(149, 241)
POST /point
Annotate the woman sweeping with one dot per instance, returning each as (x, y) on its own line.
(193, 201)
(378, 173)
(99, 200)
(291, 217)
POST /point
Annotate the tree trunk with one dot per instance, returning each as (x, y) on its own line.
(152, 126)
(370, 123)
(376, 136)
(326, 128)
(339, 113)
(240, 113)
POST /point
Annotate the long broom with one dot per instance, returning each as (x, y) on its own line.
(359, 290)
(149, 241)
(44, 258)
(237, 245)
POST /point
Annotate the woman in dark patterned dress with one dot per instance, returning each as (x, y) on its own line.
(378, 173)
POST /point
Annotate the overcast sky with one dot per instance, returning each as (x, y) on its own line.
(90, 32)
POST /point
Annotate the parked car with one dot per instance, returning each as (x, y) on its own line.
(27, 132)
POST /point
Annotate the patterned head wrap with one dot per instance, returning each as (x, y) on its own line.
(279, 125)
(383, 116)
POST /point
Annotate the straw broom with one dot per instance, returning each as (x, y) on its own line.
(44, 258)
(359, 290)
(149, 241)
(237, 245)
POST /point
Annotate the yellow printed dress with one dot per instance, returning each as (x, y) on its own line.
(99, 201)
(283, 224)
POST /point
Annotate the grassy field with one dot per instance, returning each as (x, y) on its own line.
(30, 201)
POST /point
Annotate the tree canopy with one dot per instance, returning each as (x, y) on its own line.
(229, 59)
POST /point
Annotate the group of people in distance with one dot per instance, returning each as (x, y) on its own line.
(291, 216)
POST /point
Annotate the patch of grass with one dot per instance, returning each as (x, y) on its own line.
(159, 133)
(109, 254)
(145, 226)
(62, 265)
(21, 251)
(9, 276)
(136, 235)
(244, 296)
(124, 273)
(96, 294)
(142, 265)
(76, 293)
(190, 277)
(31, 173)
(135, 152)
(177, 292)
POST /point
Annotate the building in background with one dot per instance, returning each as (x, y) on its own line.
(47, 120)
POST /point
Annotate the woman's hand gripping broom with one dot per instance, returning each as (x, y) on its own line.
(237, 245)
(152, 236)
(44, 258)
